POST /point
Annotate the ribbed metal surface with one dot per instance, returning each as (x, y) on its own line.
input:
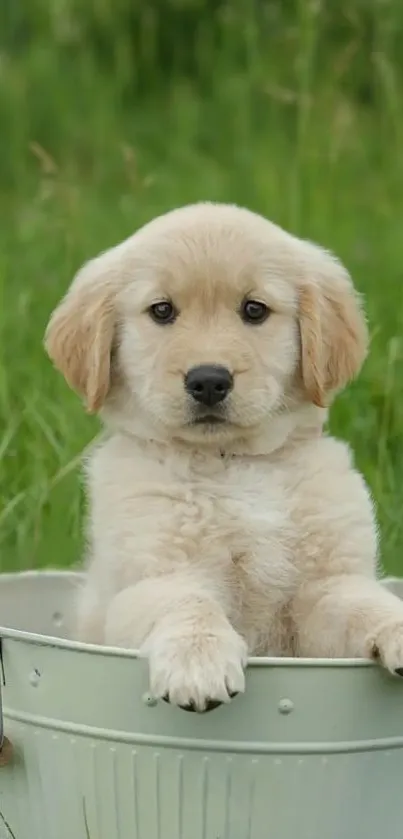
(74, 788)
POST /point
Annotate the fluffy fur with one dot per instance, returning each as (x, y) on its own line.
(254, 535)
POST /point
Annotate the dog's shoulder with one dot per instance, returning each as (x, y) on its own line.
(317, 456)
(118, 459)
(327, 493)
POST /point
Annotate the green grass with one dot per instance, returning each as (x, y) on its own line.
(295, 115)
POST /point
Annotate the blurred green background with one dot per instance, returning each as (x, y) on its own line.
(112, 111)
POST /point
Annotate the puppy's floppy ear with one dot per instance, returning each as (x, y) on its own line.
(334, 335)
(80, 333)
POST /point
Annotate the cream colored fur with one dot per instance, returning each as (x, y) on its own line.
(254, 537)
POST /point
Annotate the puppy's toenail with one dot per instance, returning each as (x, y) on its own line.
(165, 698)
(212, 704)
(233, 693)
(190, 707)
(399, 671)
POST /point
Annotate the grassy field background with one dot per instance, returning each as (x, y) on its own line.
(112, 112)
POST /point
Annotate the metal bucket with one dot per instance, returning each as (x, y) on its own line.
(314, 750)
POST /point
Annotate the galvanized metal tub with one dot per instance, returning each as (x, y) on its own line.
(314, 750)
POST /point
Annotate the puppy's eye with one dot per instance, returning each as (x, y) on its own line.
(163, 312)
(254, 312)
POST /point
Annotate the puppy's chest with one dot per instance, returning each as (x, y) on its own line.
(238, 517)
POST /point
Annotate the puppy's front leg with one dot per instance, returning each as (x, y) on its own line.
(350, 615)
(341, 609)
(196, 658)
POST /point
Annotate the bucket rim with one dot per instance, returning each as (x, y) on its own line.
(40, 640)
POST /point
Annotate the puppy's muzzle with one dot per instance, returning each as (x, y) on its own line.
(209, 384)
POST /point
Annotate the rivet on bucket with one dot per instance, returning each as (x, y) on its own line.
(149, 700)
(34, 678)
(285, 706)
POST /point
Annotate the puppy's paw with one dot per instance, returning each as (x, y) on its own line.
(199, 672)
(386, 646)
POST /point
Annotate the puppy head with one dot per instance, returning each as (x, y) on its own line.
(216, 321)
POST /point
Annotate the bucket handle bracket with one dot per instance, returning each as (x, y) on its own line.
(6, 749)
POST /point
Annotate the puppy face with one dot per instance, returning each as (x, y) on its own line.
(206, 323)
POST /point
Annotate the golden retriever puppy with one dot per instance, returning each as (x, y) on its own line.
(224, 522)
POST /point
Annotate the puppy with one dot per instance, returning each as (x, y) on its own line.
(223, 521)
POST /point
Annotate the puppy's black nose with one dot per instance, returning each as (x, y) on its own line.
(209, 384)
